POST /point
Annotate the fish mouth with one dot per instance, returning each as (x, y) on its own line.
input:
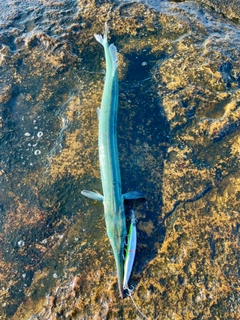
(118, 256)
(119, 266)
(116, 231)
(120, 277)
(121, 291)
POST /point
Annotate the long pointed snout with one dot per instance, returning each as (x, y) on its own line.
(119, 265)
(117, 240)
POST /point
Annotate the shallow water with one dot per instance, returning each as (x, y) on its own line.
(178, 129)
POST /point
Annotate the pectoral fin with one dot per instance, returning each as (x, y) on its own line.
(133, 195)
(92, 195)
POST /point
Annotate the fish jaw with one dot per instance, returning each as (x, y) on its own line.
(116, 231)
(118, 256)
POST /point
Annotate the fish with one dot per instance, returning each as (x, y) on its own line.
(112, 198)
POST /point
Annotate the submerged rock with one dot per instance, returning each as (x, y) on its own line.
(178, 133)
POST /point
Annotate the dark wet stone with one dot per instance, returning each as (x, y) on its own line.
(229, 8)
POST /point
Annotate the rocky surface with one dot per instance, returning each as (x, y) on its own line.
(178, 130)
(230, 9)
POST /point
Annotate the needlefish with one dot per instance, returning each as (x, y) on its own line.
(112, 198)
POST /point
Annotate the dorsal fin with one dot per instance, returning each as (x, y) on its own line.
(114, 54)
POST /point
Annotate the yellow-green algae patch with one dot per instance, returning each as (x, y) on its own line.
(196, 266)
(80, 145)
(193, 273)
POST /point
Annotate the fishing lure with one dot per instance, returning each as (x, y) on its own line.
(130, 251)
(130, 257)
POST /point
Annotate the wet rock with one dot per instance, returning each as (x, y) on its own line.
(178, 133)
(231, 9)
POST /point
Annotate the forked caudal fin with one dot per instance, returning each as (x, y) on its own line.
(102, 39)
(110, 49)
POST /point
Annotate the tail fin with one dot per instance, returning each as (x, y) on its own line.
(103, 38)
(112, 49)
